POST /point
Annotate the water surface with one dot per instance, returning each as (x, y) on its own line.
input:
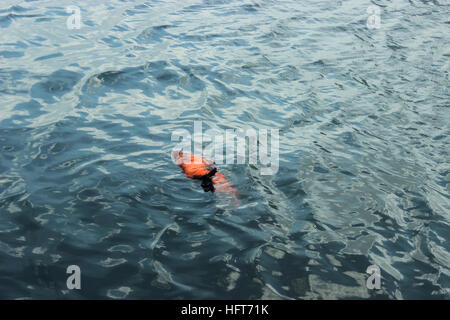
(85, 139)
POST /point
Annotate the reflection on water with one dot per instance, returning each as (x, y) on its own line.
(86, 176)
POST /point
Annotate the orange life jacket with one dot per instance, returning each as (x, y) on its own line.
(196, 167)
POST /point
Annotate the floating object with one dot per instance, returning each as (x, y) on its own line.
(196, 167)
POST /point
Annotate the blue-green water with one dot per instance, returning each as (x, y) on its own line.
(86, 176)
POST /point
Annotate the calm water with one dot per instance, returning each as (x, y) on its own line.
(85, 139)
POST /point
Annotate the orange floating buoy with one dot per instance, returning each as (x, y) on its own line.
(196, 167)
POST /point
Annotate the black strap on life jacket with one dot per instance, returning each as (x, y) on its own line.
(207, 183)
